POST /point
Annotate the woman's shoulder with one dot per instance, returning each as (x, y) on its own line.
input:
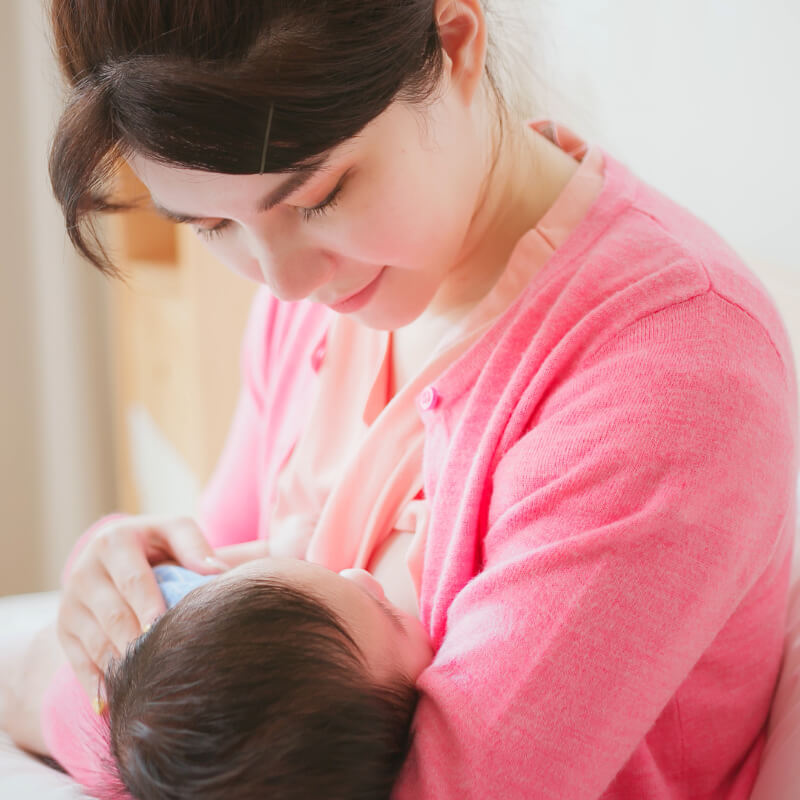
(649, 253)
(643, 296)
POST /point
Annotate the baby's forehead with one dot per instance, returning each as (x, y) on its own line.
(280, 576)
(268, 573)
(176, 582)
(284, 569)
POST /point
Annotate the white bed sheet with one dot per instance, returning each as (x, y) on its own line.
(24, 776)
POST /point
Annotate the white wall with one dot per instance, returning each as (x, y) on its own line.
(700, 98)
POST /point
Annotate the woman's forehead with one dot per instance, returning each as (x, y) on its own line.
(166, 177)
(184, 194)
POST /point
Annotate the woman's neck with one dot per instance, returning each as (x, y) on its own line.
(530, 175)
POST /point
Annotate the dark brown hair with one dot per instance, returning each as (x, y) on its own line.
(253, 689)
(191, 84)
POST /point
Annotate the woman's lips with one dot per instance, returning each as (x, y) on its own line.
(359, 299)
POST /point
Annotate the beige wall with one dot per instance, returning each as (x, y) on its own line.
(55, 457)
(20, 519)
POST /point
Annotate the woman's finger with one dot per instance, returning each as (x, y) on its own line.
(114, 617)
(189, 546)
(84, 626)
(88, 675)
(128, 570)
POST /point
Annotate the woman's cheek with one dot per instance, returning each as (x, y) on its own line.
(378, 236)
(235, 256)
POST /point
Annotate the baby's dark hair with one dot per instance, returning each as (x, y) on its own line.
(255, 691)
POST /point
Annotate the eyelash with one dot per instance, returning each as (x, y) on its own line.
(323, 208)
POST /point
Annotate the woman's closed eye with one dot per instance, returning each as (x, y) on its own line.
(326, 205)
(322, 208)
(210, 233)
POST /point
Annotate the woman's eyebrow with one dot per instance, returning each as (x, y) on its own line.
(291, 185)
(277, 195)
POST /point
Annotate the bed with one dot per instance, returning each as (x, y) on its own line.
(23, 776)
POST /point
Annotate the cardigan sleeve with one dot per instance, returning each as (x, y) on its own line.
(649, 491)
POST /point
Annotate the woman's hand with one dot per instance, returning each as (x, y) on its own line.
(111, 595)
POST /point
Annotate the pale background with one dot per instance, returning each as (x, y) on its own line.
(699, 97)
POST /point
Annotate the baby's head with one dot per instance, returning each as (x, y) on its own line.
(279, 678)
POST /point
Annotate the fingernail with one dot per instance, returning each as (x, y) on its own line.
(99, 700)
(146, 627)
(216, 563)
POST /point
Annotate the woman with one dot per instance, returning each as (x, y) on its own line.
(554, 409)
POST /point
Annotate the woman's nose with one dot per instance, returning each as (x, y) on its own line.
(291, 274)
(366, 580)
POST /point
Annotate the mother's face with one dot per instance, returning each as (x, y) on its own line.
(399, 206)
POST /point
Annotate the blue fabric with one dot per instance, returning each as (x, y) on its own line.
(176, 582)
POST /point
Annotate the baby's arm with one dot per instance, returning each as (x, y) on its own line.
(31, 673)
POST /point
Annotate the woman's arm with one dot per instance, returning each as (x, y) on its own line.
(24, 687)
(651, 492)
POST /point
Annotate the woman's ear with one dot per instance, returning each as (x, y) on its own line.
(462, 31)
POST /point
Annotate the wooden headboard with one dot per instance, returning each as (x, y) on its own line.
(176, 336)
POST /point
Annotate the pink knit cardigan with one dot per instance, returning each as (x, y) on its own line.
(611, 475)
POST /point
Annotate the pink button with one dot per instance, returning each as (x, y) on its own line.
(318, 356)
(429, 398)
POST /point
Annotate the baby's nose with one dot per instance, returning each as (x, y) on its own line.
(366, 579)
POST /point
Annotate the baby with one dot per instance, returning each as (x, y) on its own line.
(276, 679)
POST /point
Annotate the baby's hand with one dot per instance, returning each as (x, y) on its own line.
(235, 554)
(111, 594)
(291, 540)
